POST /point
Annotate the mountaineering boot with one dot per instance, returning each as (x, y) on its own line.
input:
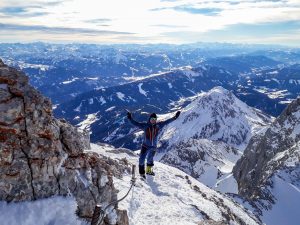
(149, 171)
(143, 177)
(142, 170)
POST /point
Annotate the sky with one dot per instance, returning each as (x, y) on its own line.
(151, 21)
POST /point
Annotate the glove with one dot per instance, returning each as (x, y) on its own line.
(177, 114)
(129, 116)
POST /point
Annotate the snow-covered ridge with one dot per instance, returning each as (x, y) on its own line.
(22, 65)
(186, 70)
(172, 197)
(70, 81)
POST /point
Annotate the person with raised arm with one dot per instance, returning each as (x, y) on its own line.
(148, 149)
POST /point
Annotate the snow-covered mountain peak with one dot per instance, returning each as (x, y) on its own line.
(217, 115)
(210, 135)
(186, 70)
(219, 89)
(219, 98)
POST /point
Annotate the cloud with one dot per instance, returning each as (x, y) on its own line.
(99, 22)
(53, 3)
(213, 7)
(170, 0)
(145, 20)
(31, 3)
(28, 8)
(13, 10)
(59, 30)
(193, 10)
(264, 29)
(20, 12)
(160, 9)
(168, 26)
(284, 33)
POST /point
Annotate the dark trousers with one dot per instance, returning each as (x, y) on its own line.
(146, 153)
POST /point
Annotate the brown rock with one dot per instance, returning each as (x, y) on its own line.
(41, 156)
(11, 111)
(4, 80)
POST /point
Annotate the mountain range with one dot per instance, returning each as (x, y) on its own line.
(232, 156)
(156, 93)
(160, 92)
(63, 72)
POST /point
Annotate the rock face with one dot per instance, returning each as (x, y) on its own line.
(41, 156)
(271, 153)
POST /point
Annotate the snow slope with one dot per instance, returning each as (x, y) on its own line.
(172, 197)
(281, 204)
(50, 211)
(287, 205)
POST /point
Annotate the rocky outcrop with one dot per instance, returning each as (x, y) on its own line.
(41, 156)
(269, 152)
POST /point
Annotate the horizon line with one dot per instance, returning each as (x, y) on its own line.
(149, 43)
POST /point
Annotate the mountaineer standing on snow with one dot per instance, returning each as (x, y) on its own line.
(151, 129)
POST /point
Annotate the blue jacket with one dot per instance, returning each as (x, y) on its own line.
(151, 131)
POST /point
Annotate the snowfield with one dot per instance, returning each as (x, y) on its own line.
(143, 92)
(287, 195)
(172, 197)
(50, 211)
